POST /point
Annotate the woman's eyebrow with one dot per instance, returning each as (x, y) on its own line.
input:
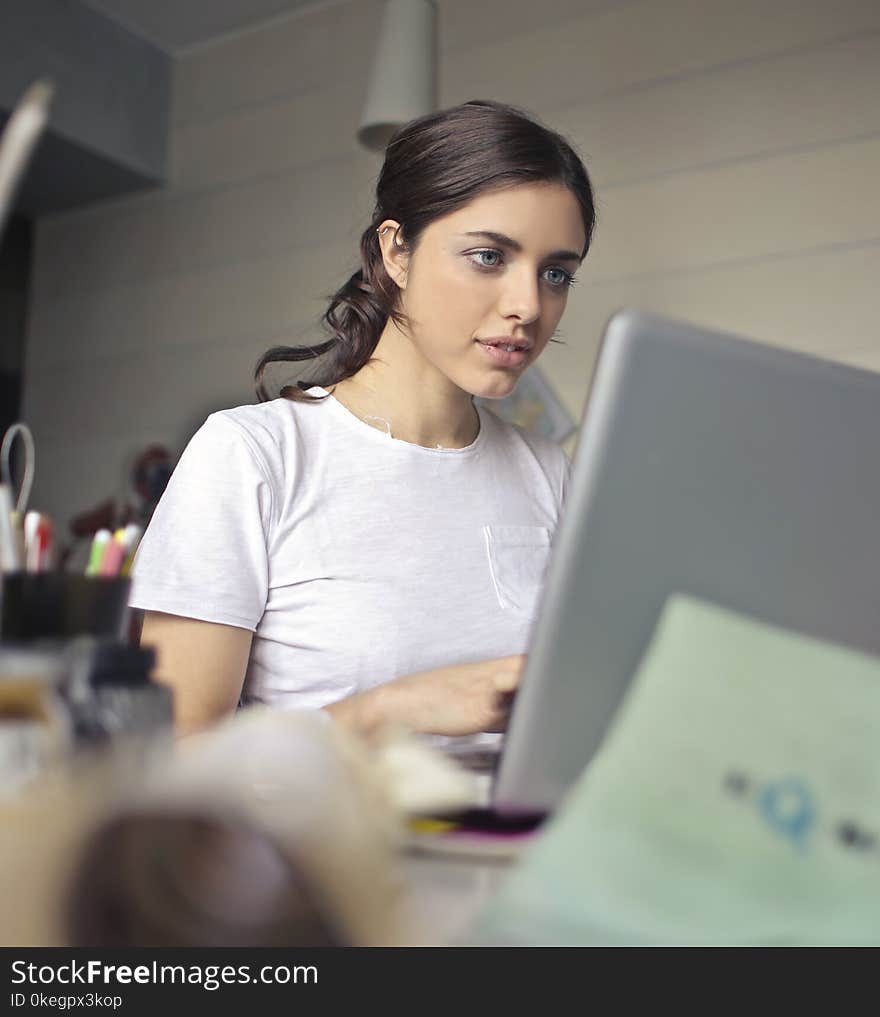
(506, 241)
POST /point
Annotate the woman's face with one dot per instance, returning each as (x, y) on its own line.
(497, 271)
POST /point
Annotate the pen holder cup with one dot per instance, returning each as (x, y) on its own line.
(61, 605)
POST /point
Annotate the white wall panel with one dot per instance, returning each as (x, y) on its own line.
(253, 219)
(824, 94)
(302, 131)
(732, 213)
(640, 45)
(273, 297)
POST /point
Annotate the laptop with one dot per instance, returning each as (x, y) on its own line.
(705, 464)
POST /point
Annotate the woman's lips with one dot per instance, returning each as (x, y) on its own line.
(503, 357)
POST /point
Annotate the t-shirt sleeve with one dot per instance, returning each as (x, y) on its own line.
(204, 552)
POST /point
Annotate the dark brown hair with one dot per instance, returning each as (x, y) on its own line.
(433, 166)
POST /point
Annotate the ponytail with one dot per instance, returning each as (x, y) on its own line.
(355, 318)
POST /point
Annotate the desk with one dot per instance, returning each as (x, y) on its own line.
(443, 895)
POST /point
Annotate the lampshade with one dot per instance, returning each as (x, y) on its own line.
(402, 81)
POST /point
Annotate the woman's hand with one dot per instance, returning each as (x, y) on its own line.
(458, 700)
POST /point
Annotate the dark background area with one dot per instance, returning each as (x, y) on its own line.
(15, 267)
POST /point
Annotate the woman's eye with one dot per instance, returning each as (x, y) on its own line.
(487, 254)
(563, 278)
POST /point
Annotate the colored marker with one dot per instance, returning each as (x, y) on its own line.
(96, 552)
(111, 560)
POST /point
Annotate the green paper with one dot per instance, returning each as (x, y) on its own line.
(734, 801)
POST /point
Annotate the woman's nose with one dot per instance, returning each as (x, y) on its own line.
(521, 297)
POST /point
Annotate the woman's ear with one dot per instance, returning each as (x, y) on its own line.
(395, 252)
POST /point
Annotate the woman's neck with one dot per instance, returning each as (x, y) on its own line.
(400, 393)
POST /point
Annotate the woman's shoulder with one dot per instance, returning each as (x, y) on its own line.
(267, 417)
(271, 423)
(271, 432)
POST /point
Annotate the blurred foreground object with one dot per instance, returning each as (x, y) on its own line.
(60, 697)
(161, 877)
(274, 829)
(275, 809)
(35, 727)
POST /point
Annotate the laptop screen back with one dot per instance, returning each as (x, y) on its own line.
(708, 465)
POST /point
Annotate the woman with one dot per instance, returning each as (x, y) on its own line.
(373, 545)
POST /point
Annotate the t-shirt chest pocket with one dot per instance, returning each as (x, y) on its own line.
(518, 560)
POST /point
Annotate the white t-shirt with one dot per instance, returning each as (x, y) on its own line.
(354, 557)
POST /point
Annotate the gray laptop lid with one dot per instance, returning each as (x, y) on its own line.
(706, 464)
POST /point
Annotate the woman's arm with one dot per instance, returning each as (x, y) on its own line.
(204, 664)
(457, 700)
